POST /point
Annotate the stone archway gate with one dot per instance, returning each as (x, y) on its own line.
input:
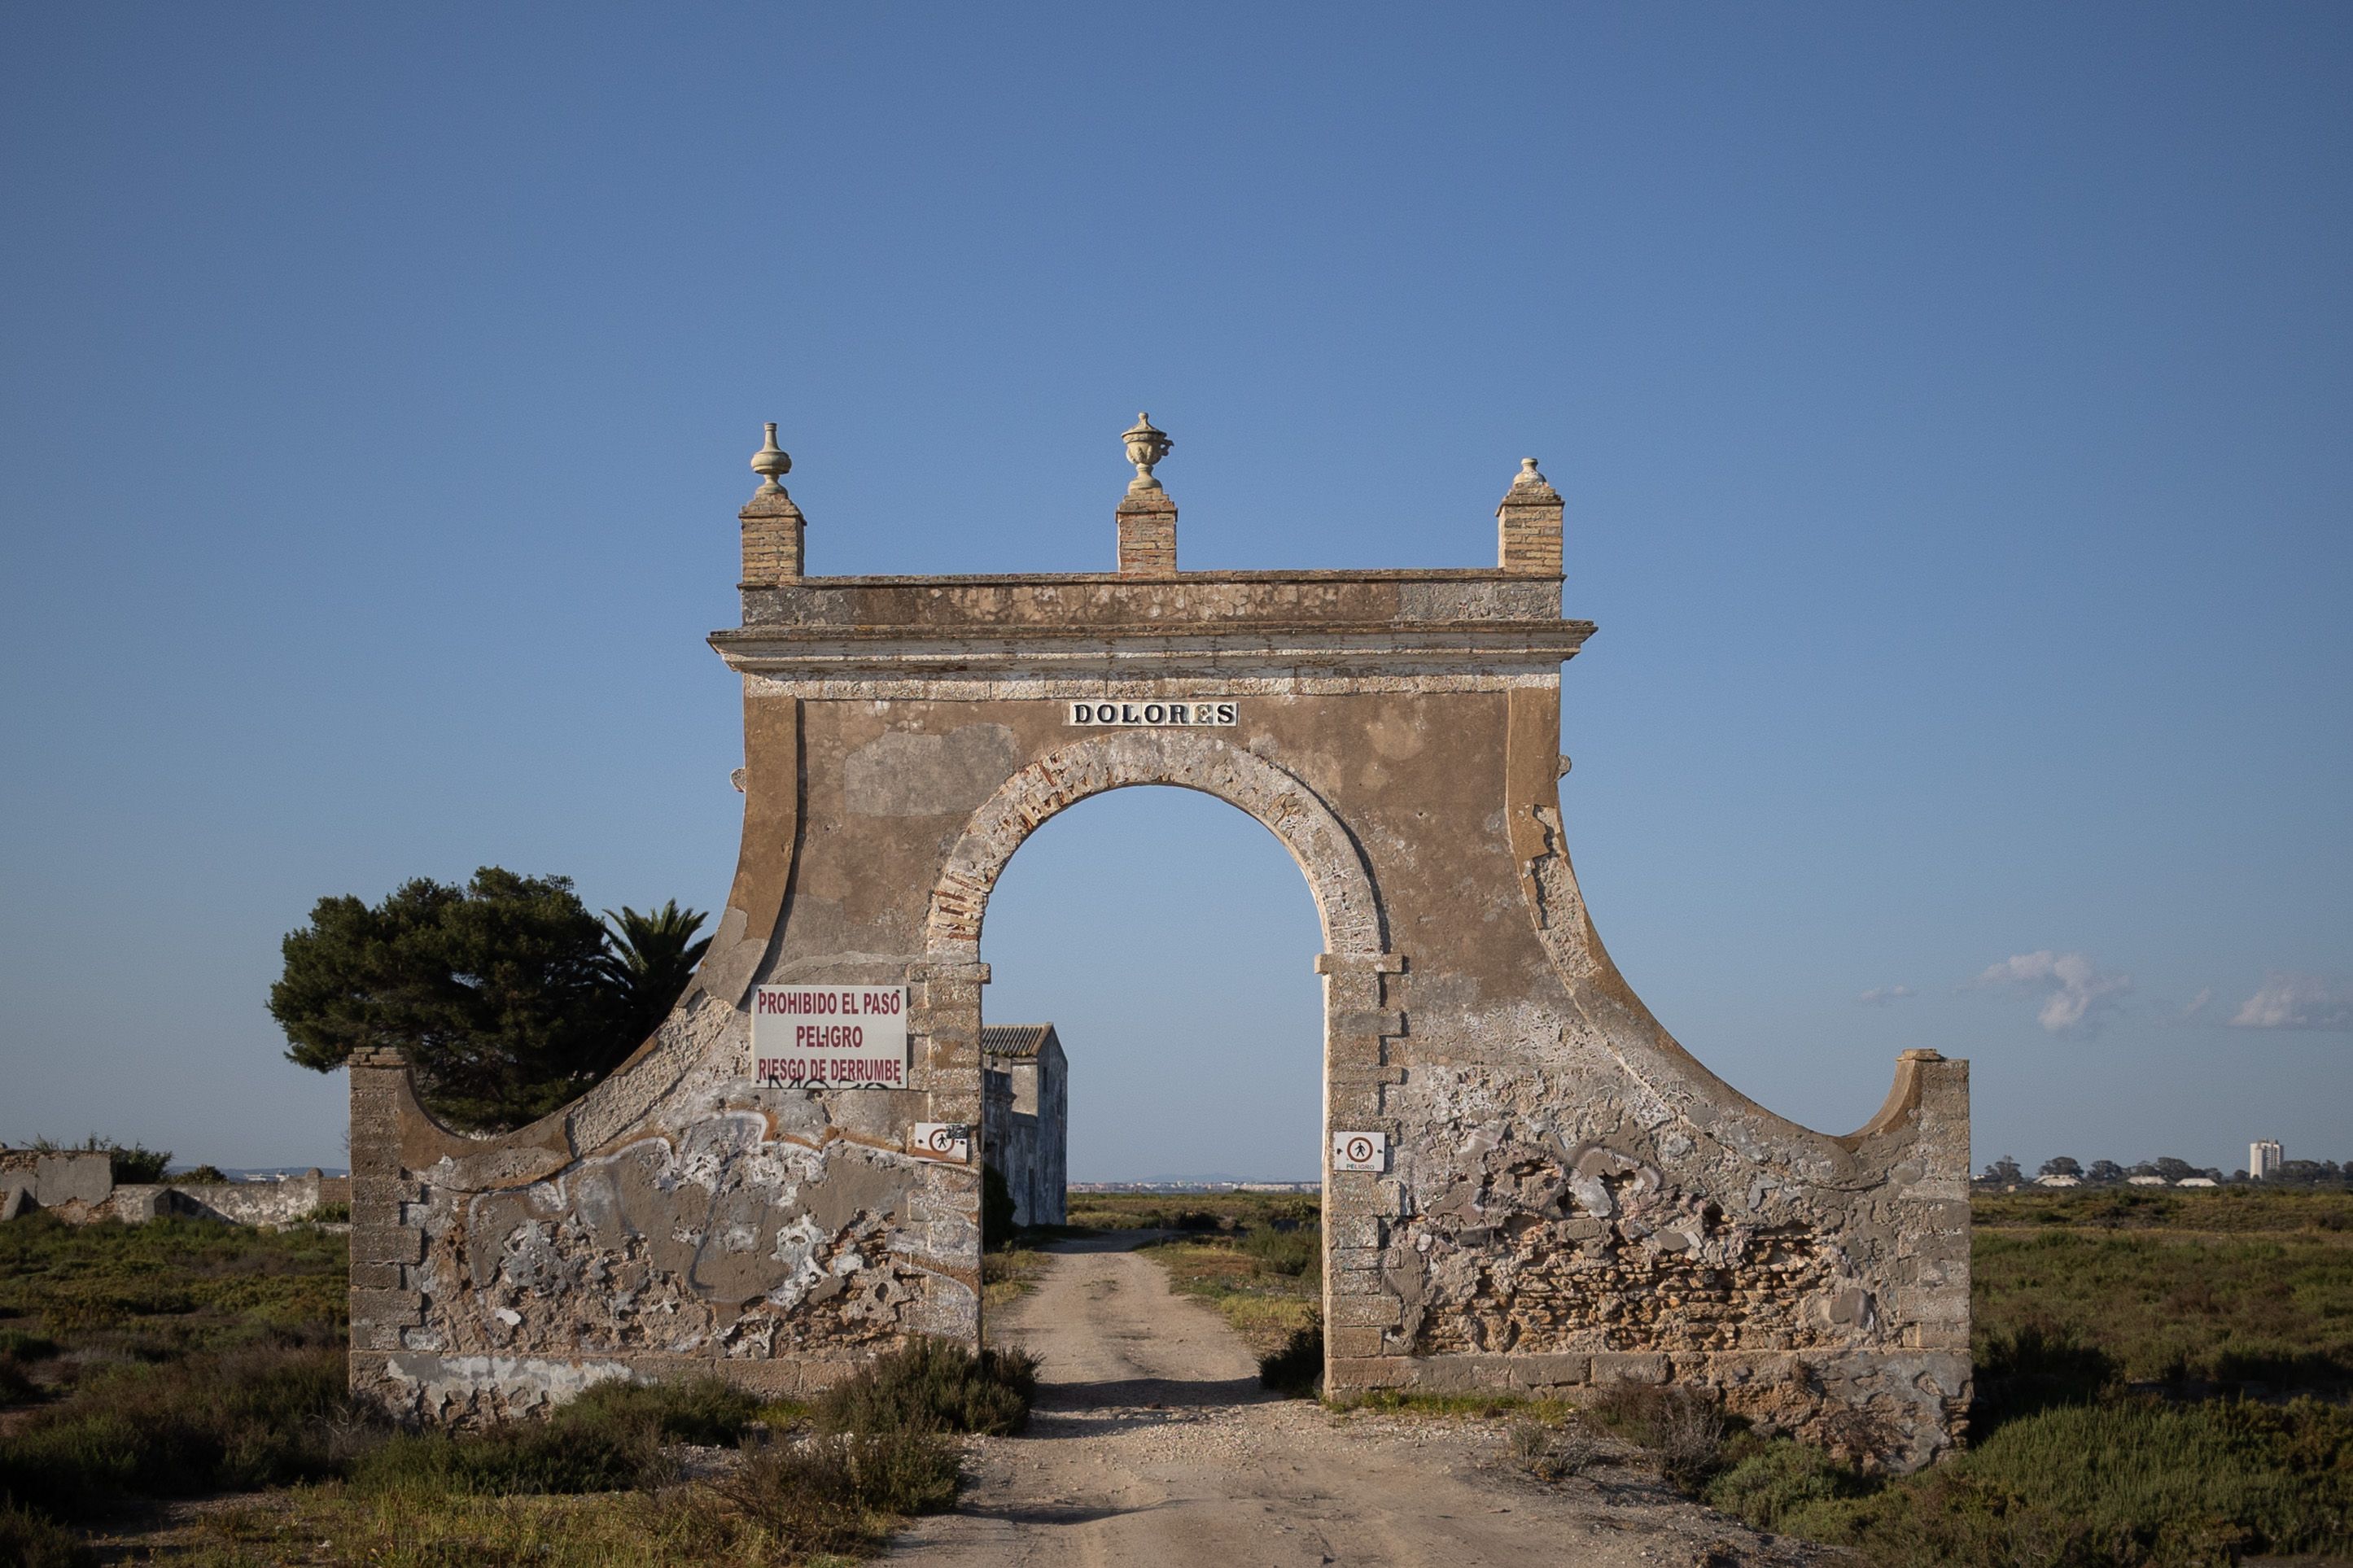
(1566, 1196)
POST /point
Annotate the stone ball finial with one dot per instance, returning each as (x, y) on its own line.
(1145, 448)
(1528, 475)
(770, 462)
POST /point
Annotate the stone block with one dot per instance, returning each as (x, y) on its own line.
(62, 1179)
(14, 1201)
(387, 1309)
(1355, 1258)
(386, 1244)
(377, 1277)
(1341, 1374)
(1357, 1282)
(1367, 1312)
(1460, 1373)
(1629, 1366)
(1357, 1341)
(1358, 1229)
(1550, 1369)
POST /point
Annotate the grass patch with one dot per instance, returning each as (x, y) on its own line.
(933, 1386)
(1261, 1266)
(691, 1524)
(30, 1541)
(2137, 1483)
(2174, 1307)
(172, 1286)
(204, 1423)
(842, 1493)
(1007, 1276)
(2083, 1299)
(1476, 1405)
(1192, 1211)
(611, 1438)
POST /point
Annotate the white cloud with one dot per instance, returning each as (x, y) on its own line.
(2197, 1003)
(2077, 994)
(1884, 995)
(2296, 1002)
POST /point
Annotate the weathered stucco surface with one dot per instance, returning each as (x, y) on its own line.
(1571, 1197)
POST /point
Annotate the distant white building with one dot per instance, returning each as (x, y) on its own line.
(2058, 1181)
(2263, 1158)
(2198, 1181)
(2146, 1181)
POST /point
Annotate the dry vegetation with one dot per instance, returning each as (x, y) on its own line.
(2163, 1379)
(184, 1358)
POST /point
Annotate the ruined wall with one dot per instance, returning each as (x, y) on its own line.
(79, 1188)
(1571, 1198)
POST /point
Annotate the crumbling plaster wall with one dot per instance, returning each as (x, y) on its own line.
(1572, 1198)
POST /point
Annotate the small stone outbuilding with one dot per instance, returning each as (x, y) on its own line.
(1026, 1117)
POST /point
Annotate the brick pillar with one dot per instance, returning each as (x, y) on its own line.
(772, 526)
(386, 1248)
(1365, 1332)
(1148, 534)
(1529, 524)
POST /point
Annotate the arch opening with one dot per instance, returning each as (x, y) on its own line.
(1172, 948)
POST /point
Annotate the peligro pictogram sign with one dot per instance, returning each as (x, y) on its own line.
(830, 1037)
(1360, 1151)
(948, 1141)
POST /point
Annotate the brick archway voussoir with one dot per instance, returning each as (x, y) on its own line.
(1306, 826)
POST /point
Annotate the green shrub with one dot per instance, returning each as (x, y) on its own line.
(2125, 1484)
(521, 1457)
(1774, 1484)
(706, 1410)
(2036, 1366)
(1297, 1367)
(28, 1540)
(933, 1386)
(833, 1493)
(608, 1439)
(244, 1419)
(1682, 1429)
(1292, 1251)
(329, 1213)
(26, 1346)
(16, 1384)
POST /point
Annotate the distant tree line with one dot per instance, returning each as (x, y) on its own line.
(2007, 1172)
(508, 996)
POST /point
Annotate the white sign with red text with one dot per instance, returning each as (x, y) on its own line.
(830, 1037)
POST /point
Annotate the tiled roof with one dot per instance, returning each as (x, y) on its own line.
(1013, 1039)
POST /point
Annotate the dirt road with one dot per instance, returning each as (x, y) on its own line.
(1151, 1444)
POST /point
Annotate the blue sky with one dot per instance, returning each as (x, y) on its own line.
(1952, 407)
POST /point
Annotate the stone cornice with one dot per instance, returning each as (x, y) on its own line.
(1149, 652)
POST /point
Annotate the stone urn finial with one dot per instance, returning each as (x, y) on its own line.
(1145, 448)
(1528, 474)
(770, 462)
